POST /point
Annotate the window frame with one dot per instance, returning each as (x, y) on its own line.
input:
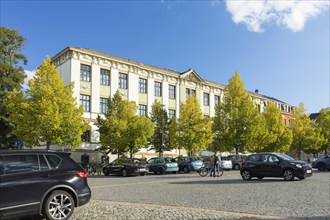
(143, 85)
(142, 110)
(158, 89)
(104, 105)
(171, 91)
(86, 103)
(123, 81)
(85, 73)
(206, 99)
(104, 77)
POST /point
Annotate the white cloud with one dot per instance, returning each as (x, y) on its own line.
(292, 14)
(29, 75)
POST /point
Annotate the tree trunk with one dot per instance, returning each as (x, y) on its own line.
(236, 149)
(131, 151)
(48, 145)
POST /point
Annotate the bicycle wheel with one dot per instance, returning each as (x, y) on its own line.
(203, 171)
(220, 171)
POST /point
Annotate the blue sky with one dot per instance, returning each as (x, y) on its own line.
(280, 48)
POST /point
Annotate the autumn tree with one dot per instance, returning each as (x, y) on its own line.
(234, 123)
(11, 77)
(160, 138)
(278, 137)
(195, 130)
(47, 112)
(304, 133)
(121, 130)
(323, 127)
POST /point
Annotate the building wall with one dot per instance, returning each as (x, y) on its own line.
(70, 59)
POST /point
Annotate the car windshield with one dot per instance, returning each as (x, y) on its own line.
(170, 160)
(138, 161)
(285, 157)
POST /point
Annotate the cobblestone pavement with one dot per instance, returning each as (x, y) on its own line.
(97, 209)
(227, 196)
(189, 196)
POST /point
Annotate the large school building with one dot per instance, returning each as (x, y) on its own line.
(97, 76)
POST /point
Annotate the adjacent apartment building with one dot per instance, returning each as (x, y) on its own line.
(97, 76)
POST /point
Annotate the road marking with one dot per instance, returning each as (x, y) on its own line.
(251, 215)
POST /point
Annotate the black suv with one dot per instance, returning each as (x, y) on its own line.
(41, 182)
(274, 165)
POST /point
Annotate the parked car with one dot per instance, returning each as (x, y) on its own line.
(237, 161)
(41, 182)
(226, 163)
(187, 164)
(274, 165)
(126, 166)
(322, 163)
(162, 165)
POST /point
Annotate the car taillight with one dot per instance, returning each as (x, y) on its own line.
(165, 165)
(82, 174)
(241, 161)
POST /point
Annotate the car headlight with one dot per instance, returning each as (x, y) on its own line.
(298, 165)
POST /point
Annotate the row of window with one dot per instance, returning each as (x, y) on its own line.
(85, 102)
(85, 75)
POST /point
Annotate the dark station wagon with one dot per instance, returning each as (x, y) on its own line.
(48, 183)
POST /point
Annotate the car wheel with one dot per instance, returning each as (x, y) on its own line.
(124, 172)
(237, 167)
(186, 170)
(161, 171)
(321, 167)
(288, 175)
(142, 174)
(106, 172)
(58, 205)
(155, 172)
(174, 172)
(246, 175)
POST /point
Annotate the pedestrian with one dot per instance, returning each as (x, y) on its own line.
(215, 164)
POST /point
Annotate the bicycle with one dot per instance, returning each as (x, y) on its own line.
(205, 170)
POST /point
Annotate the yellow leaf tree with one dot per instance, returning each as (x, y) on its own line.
(47, 112)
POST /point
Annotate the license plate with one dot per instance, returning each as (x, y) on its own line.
(308, 171)
(142, 169)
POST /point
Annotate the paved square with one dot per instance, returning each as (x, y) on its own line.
(189, 196)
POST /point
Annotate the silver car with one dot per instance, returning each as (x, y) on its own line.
(226, 163)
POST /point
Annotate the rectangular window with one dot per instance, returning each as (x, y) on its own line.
(187, 93)
(193, 92)
(284, 122)
(142, 85)
(105, 77)
(123, 81)
(171, 90)
(158, 89)
(206, 99)
(216, 100)
(171, 113)
(20, 163)
(86, 136)
(85, 101)
(85, 72)
(142, 110)
(103, 105)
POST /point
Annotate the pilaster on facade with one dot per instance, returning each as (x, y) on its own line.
(95, 88)
(114, 82)
(151, 94)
